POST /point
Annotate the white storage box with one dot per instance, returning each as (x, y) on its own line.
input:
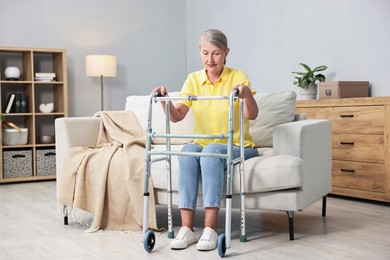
(14, 137)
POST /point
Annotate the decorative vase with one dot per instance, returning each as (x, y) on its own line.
(12, 73)
(46, 108)
(310, 92)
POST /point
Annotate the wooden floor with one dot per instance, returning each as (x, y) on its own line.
(30, 228)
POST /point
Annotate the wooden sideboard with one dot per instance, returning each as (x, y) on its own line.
(360, 145)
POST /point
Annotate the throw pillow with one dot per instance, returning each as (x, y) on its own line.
(274, 109)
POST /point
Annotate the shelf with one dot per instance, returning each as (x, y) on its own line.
(33, 93)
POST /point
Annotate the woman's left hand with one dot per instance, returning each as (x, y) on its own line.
(250, 106)
(244, 91)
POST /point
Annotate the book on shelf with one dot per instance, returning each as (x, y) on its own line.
(46, 79)
(45, 76)
(20, 103)
(10, 103)
(23, 98)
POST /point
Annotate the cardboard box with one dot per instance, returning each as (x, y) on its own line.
(343, 89)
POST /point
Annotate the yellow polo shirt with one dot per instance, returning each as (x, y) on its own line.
(211, 116)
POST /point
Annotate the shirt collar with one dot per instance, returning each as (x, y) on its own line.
(222, 78)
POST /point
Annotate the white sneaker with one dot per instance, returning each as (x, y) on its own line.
(208, 241)
(185, 238)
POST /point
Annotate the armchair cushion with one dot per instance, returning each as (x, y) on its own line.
(274, 109)
(264, 173)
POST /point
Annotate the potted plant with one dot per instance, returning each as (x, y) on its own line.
(307, 81)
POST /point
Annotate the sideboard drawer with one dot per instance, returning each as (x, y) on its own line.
(358, 147)
(362, 176)
(358, 120)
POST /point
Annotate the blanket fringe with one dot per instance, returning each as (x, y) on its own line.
(78, 215)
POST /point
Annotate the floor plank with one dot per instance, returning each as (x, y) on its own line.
(30, 228)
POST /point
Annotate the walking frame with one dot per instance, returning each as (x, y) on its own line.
(224, 239)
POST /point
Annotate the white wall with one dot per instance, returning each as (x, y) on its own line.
(147, 36)
(155, 41)
(268, 39)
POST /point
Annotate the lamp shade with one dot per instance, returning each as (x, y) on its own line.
(100, 65)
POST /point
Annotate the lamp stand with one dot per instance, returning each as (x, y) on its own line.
(101, 94)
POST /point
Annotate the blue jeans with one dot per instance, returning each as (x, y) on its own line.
(210, 169)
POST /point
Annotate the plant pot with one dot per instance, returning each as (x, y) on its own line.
(310, 92)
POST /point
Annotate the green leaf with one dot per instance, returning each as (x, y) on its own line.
(320, 68)
(320, 78)
(306, 67)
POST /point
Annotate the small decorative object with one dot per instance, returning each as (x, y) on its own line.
(307, 81)
(46, 139)
(14, 135)
(12, 73)
(46, 108)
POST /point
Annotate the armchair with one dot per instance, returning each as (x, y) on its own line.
(292, 172)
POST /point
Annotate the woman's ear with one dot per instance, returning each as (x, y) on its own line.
(227, 51)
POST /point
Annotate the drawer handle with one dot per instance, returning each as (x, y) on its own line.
(49, 154)
(343, 116)
(18, 156)
(347, 170)
(348, 143)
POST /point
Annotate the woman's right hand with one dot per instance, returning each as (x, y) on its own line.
(161, 89)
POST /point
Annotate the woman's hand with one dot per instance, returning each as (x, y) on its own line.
(161, 89)
(250, 106)
(178, 112)
(244, 91)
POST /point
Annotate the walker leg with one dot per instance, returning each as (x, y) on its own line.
(228, 220)
(171, 233)
(146, 213)
(243, 237)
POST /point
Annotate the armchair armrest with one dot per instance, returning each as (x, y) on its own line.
(70, 132)
(310, 140)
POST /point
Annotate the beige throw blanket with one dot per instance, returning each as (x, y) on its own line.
(108, 180)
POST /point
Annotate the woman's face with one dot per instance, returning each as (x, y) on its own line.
(213, 57)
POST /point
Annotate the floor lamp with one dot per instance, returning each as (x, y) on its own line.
(100, 66)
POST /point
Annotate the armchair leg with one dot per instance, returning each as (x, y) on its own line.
(324, 205)
(290, 215)
(65, 220)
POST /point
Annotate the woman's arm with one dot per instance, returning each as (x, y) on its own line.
(250, 106)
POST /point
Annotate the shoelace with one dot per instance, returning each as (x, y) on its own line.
(182, 234)
(206, 236)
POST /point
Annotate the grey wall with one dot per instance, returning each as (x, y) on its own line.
(155, 41)
(147, 36)
(268, 39)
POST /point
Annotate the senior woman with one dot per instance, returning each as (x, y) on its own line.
(211, 117)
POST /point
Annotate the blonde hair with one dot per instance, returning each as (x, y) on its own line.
(215, 37)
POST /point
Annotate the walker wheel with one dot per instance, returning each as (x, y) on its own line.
(222, 245)
(149, 241)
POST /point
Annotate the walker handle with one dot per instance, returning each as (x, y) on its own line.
(236, 92)
(158, 94)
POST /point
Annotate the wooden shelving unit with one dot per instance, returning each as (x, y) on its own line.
(34, 160)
